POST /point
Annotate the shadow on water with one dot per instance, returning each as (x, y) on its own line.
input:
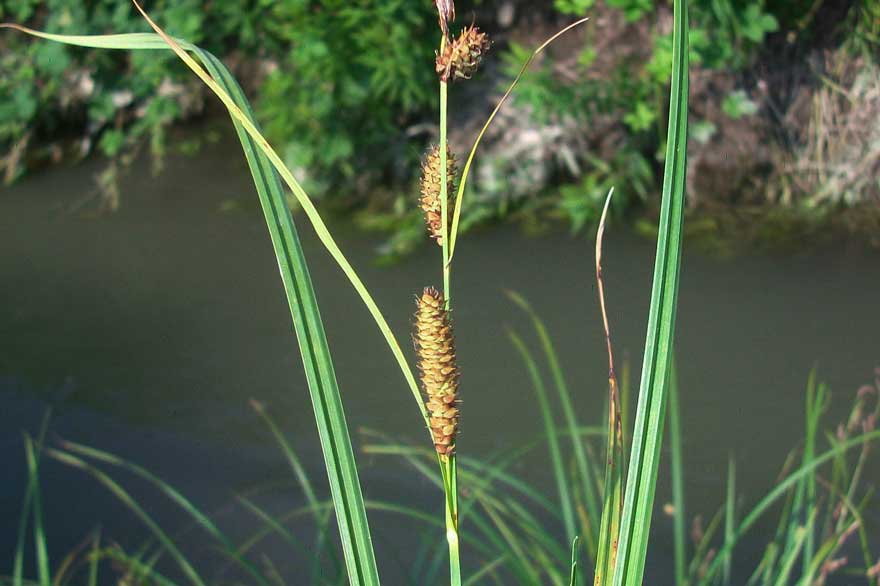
(149, 329)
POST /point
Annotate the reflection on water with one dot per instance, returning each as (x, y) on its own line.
(148, 330)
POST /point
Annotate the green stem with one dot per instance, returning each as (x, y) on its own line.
(447, 465)
(444, 190)
(450, 486)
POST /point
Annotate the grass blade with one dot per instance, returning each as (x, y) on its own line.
(573, 579)
(26, 506)
(781, 489)
(299, 471)
(650, 414)
(43, 572)
(71, 460)
(339, 456)
(565, 501)
(174, 495)
(609, 530)
(580, 456)
(94, 560)
(729, 519)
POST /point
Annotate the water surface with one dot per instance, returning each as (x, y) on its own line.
(148, 330)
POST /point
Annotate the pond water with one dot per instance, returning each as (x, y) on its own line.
(150, 329)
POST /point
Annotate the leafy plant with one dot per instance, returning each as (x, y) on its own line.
(342, 86)
(351, 92)
(738, 104)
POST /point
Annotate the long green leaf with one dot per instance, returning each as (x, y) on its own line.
(648, 432)
(339, 458)
(42, 555)
(565, 501)
(186, 567)
(780, 489)
(580, 456)
(326, 401)
(200, 518)
(729, 519)
(321, 517)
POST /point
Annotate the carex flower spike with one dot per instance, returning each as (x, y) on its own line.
(435, 346)
(430, 199)
(461, 57)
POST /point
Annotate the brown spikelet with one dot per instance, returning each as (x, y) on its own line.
(435, 346)
(461, 57)
(430, 188)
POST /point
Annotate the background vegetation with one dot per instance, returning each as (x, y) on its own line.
(783, 93)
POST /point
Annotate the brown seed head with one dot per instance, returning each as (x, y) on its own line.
(461, 57)
(430, 188)
(435, 347)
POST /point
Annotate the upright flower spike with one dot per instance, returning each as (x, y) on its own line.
(462, 56)
(430, 187)
(435, 347)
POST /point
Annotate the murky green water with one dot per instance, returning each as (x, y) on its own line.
(149, 330)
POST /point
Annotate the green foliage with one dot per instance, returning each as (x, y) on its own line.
(738, 104)
(725, 35)
(629, 173)
(633, 9)
(573, 6)
(110, 100)
(348, 78)
(335, 79)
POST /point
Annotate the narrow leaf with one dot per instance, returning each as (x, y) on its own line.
(650, 414)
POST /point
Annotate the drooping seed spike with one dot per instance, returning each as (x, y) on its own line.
(430, 190)
(461, 57)
(435, 346)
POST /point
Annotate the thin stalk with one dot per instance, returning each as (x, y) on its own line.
(450, 487)
(729, 520)
(447, 464)
(42, 556)
(612, 506)
(573, 577)
(444, 187)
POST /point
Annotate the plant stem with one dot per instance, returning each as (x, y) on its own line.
(447, 464)
(450, 486)
(444, 189)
